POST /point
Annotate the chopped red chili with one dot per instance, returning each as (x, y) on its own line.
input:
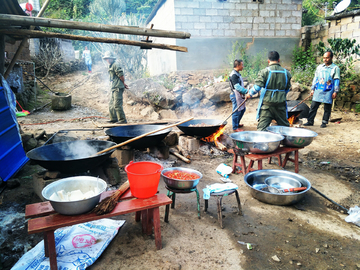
(181, 175)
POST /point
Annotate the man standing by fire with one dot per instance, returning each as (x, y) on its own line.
(117, 89)
(324, 89)
(273, 83)
(237, 95)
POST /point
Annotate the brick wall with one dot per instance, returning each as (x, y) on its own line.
(337, 27)
(234, 18)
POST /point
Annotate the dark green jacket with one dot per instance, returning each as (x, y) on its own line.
(277, 81)
(115, 72)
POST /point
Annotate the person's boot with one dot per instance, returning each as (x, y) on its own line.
(308, 124)
(323, 125)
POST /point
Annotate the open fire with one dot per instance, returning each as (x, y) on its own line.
(214, 138)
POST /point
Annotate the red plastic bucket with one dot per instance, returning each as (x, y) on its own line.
(144, 178)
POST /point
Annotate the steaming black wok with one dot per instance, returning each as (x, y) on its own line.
(71, 157)
(123, 133)
(212, 126)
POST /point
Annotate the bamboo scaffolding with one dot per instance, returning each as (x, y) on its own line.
(37, 34)
(16, 20)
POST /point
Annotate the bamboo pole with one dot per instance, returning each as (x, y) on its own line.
(15, 20)
(23, 42)
(34, 33)
(141, 136)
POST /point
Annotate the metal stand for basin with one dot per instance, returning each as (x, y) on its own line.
(172, 194)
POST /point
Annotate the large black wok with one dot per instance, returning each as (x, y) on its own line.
(301, 110)
(71, 157)
(212, 125)
(123, 133)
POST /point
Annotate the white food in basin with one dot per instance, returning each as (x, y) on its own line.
(74, 195)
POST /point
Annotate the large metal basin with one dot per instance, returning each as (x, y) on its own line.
(256, 180)
(294, 137)
(258, 142)
(82, 183)
(180, 184)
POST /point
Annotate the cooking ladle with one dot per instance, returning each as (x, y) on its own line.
(141, 136)
(299, 103)
(242, 103)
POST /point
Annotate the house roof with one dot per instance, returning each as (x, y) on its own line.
(11, 7)
(343, 15)
(155, 10)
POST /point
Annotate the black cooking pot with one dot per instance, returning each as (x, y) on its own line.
(123, 133)
(212, 125)
(302, 110)
(71, 157)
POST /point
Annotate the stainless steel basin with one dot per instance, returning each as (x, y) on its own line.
(82, 183)
(294, 137)
(258, 142)
(255, 182)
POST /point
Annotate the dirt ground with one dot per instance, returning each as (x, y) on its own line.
(309, 235)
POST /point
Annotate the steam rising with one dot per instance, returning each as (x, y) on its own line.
(79, 150)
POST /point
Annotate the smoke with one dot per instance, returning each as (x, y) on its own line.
(78, 150)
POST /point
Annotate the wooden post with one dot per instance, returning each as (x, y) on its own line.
(23, 43)
(34, 33)
(13, 20)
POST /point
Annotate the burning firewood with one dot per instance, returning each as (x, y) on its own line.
(109, 203)
(220, 145)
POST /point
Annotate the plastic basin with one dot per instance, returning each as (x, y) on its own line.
(144, 178)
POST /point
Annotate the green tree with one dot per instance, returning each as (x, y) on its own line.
(314, 10)
(112, 12)
(142, 8)
(252, 64)
(67, 9)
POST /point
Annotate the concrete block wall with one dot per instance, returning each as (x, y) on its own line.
(234, 18)
(348, 27)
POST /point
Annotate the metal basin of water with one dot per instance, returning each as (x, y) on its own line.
(294, 137)
(258, 142)
(255, 181)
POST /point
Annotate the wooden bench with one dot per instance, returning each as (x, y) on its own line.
(44, 219)
(259, 157)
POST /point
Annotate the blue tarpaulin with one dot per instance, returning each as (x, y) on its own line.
(12, 154)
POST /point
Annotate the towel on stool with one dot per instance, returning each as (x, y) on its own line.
(217, 188)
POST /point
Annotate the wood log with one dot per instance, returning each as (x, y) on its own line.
(220, 146)
(14, 20)
(172, 151)
(183, 152)
(37, 34)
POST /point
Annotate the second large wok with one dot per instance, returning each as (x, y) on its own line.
(123, 133)
(211, 126)
(71, 157)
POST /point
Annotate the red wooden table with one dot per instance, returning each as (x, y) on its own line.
(259, 157)
(44, 219)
